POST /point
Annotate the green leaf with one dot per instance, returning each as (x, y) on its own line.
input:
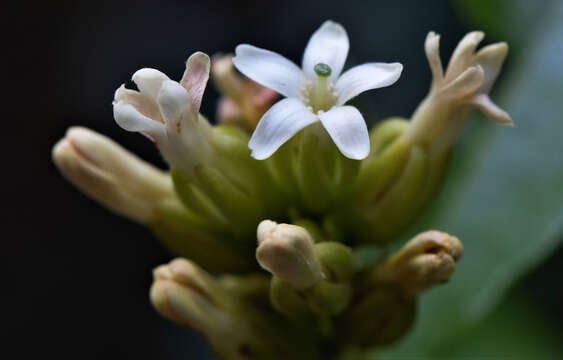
(516, 330)
(504, 193)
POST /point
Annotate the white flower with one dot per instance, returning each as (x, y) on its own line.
(167, 111)
(465, 84)
(470, 76)
(316, 92)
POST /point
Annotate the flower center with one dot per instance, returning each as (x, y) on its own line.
(320, 95)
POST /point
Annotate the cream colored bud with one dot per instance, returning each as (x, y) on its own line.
(226, 78)
(111, 175)
(185, 294)
(287, 251)
(426, 260)
(189, 296)
(244, 101)
(178, 302)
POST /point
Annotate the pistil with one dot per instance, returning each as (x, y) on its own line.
(321, 97)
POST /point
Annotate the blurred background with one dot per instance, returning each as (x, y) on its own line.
(77, 277)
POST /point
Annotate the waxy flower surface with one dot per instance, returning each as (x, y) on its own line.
(167, 111)
(470, 76)
(317, 92)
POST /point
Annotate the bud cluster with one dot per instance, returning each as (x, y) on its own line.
(270, 222)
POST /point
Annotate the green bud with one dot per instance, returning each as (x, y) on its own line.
(395, 209)
(282, 165)
(196, 200)
(252, 176)
(287, 300)
(376, 174)
(384, 134)
(239, 208)
(379, 317)
(315, 164)
(337, 260)
(188, 235)
(329, 299)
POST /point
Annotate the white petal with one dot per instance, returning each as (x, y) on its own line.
(466, 83)
(328, 45)
(432, 49)
(269, 69)
(149, 81)
(491, 110)
(491, 58)
(173, 101)
(348, 130)
(278, 125)
(142, 102)
(127, 117)
(366, 77)
(463, 55)
(195, 78)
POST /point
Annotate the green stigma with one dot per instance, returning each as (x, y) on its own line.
(322, 69)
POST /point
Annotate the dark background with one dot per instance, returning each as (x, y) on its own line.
(77, 276)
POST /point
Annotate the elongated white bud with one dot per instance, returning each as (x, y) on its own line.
(111, 175)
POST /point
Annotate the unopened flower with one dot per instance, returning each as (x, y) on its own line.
(317, 92)
(287, 251)
(244, 101)
(167, 111)
(111, 175)
(426, 260)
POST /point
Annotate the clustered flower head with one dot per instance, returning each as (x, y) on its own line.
(266, 208)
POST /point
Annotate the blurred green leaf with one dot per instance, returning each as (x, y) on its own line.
(504, 193)
(517, 330)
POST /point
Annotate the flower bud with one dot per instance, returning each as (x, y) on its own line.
(392, 210)
(111, 175)
(316, 164)
(287, 251)
(185, 294)
(235, 329)
(379, 317)
(287, 300)
(244, 101)
(188, 234)
(423, 262)
(329, 299)
(337, 260)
